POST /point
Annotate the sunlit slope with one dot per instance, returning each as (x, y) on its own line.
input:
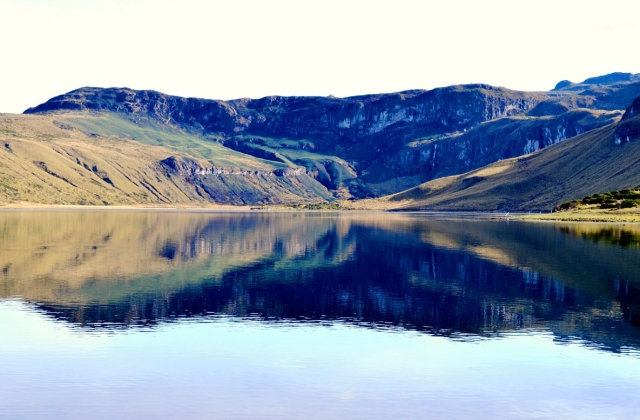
(583, 165)
(145, 131)
(103, 159)
(41, 162)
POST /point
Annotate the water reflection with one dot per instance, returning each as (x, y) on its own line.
(118, 269)
(621, 235)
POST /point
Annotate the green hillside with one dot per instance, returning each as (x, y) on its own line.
(146, 131)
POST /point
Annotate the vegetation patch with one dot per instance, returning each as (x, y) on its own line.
(8, 187)
(334, 205)
(320, 206)
(623, 199)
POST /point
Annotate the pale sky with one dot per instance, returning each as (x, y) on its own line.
(232, 49)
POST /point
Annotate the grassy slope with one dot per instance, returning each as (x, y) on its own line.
(147, 132)
(58, 159)
(42, 163)
(580, 166)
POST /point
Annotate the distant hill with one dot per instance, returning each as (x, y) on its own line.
(607, 79)
(278, 150)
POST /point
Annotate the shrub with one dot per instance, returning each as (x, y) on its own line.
(609, 204)
(570, 205)
(594, 199)
(627, 204)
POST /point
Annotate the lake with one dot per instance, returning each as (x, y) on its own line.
(316, 315)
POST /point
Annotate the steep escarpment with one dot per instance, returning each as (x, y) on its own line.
(245, 187)
(437, 110)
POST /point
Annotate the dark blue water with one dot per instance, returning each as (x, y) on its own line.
(316, 315)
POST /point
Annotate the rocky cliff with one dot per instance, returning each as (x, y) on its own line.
(438, 110)
(189, 167)
(629, 127)
(496, 140)
(577, 167)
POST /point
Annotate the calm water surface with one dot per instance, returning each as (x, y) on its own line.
(315, 316)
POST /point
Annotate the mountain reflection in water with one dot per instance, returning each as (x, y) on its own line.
(453, 277)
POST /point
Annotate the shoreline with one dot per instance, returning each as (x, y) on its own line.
(135, 207)
(585, 216)
(579, 216)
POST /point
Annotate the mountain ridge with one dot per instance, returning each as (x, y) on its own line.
(364, 139)
(358, 133)
(344, 148)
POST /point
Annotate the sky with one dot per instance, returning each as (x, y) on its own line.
(245, 48)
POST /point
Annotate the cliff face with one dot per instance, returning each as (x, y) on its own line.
(245, 187)
(629, 127)
(352, 145)
(575, 168)
(188, 167)
(439, 110)
(496, 140)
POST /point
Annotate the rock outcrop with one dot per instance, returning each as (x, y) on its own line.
(629, 127)
(188, 167)
(239, 186)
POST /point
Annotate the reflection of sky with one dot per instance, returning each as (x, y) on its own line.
(234, 369)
